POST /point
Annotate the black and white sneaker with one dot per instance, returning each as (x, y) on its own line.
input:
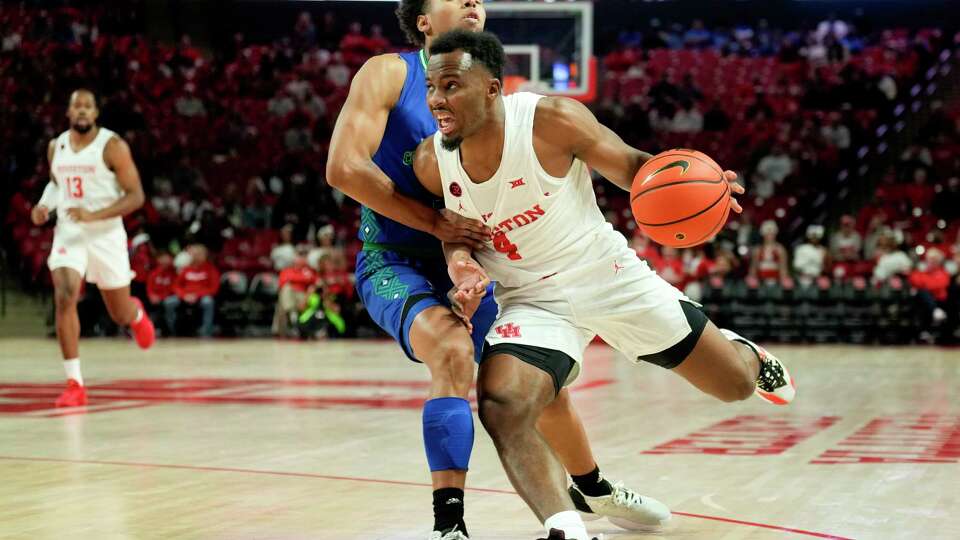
(774, 383)
(624, 508)
(557, 534)
(452, 534)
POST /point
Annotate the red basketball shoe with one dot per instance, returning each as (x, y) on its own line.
(774, 383)
(74, 396)
(143, 330)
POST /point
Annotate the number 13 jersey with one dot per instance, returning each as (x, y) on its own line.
(541, 224)
(84, 179)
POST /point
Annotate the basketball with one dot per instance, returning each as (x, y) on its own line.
(680, 198)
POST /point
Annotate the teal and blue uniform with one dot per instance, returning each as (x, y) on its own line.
(401, 271)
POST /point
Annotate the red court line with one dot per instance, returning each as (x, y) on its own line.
(379, 481)
(83, 410)
(236, 470)
(763, 526)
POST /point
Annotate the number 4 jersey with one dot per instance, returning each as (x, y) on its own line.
(84, 179)
(541, 224)
(564, 275)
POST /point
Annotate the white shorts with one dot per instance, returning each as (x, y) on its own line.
(618, 298)
(98, 253)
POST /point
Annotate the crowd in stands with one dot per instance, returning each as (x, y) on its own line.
(789, 110)
(831, 39)
(908, 236)
(231, 146)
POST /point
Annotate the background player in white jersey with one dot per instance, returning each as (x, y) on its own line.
(93, 184)
(564, 275)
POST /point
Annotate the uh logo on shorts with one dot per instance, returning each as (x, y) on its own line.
(508, 330)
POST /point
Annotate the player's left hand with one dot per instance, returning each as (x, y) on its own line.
(39, 214)
(469, 287)
(80, 215)
(467, 275)
(451, 227)
(735, 189)
(464, 303)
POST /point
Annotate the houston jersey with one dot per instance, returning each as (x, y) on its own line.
(541, 224)
(83, 178)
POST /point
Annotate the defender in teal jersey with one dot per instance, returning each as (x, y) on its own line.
(402, 276)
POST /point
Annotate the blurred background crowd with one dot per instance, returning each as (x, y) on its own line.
(844, 130)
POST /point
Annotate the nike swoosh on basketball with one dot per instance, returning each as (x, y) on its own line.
(679, 163)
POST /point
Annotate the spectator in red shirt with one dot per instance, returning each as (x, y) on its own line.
(376, 42)
(647, 250)
(141, 262)
(160, 287)
(356, 48)
(931, 286)
(197, 283)
(697, 265)
(671, 267)
(297, 282)
(337, 280)
(932, 280)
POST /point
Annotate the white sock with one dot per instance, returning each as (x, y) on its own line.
(137, 318)
(570, 523)
(72, 367)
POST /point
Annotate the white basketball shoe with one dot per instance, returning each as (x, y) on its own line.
(624, 508)
(452, 534)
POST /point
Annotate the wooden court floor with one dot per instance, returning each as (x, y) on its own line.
(282, 440)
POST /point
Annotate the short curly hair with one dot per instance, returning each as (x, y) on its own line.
(483, 47)
(407, 13)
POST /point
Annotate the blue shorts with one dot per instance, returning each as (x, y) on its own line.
(395, 288)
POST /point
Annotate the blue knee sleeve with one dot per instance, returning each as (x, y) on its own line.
(448, 433)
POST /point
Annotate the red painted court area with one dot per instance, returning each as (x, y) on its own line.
(36, 398)
(923, 438)
(748, 436)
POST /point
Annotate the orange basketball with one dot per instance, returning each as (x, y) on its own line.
(680, 198)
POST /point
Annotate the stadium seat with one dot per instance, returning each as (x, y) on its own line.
(232, 302)
(263, 299)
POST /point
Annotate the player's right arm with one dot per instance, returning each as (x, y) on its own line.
(357, 136)
(48, 201)
(569, 125)
(427, 169)
(468, 277)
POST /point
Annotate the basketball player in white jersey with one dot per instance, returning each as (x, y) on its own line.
(93, 184)
(383, 119)
(521, 164)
